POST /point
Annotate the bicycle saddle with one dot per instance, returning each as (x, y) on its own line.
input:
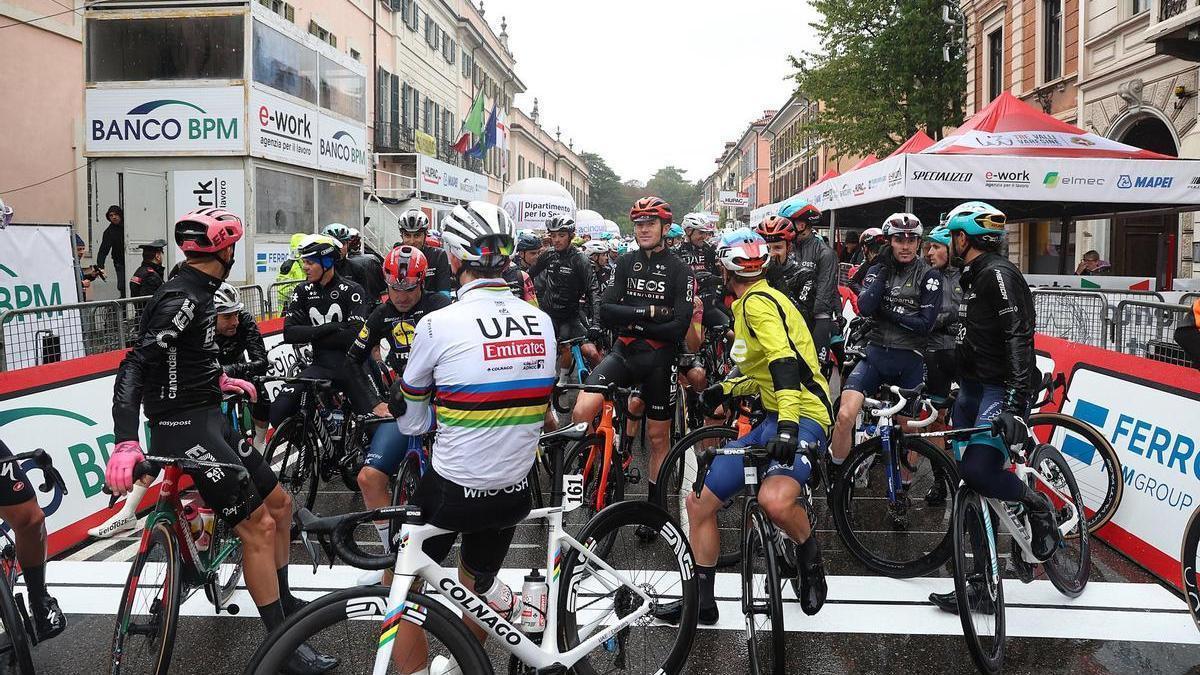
(571, 433)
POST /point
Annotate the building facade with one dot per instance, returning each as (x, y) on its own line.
(798, 157)
(538, 153)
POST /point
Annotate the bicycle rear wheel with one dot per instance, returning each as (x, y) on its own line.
(591, 598)
(351, 624)
(230, 572)
(1190, 566)
(16, 653)
(762, 596)
(977, 582)
(1070, 565)
(293, 459)
(1091, 458)
(677, 478)
(903, 537)
(149, 612)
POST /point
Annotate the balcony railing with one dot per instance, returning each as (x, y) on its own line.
(1170, 8)
(393, 137)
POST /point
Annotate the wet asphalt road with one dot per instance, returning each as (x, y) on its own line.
(869, 625)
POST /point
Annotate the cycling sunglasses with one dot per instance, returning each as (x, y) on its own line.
(404, 286)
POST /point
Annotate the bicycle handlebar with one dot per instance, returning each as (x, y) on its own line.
(43, 461)
(903, 396)
(336, 535)
(609, 390)
(152, 464)
(757, 454)
(319, 383)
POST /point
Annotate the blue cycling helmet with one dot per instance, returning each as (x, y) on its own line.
(800, 210)
(976, 219)
(528, 241)
(939, 235)
(675, 232)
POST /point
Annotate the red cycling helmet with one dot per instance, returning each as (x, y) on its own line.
(650, 207)
(208, 231)
(405, 268)
(776, 228)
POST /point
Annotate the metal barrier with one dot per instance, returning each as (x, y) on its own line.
(256, 301)
(34, 336)
(1188, 299)
(1147, 329)
(278, 294)
(844, 273)
(1072, 315)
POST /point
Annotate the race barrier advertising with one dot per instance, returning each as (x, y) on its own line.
(37, 270)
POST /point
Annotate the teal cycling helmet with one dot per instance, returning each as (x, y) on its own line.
(675, 232)
(976, 219)
(939, 235)
(800, 210)
(337, 231)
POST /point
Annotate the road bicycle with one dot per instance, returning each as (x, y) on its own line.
(20, 636)
(978, 579)
(1189, 563)
(762, 550)
(170, 566)
(320, 441)
(597, 616)
(885, 497)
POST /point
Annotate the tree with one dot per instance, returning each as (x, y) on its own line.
(882, 73)
(670, 184)
(607, 192)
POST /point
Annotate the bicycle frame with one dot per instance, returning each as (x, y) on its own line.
(168, 510)
(1010, 523)
(884, 427)
(412, 565)
(581, 369)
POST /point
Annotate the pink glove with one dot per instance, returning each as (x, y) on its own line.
(232, 385)
(119, 472)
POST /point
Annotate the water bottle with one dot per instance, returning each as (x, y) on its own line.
(533, 603)
(500, 598)
(200, 523)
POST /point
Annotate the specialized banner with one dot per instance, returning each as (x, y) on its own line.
(165, 120)
(219, 188)
(37, 269)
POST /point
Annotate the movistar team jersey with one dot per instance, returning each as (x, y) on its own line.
(775, 353)
(486, 364)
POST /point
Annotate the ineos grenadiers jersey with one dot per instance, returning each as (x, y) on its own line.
(389, 325)
(437, 275)
(486, 365)
(995, 338)
(643, 280)
(903, 303)
(328, 316)
(173, 364)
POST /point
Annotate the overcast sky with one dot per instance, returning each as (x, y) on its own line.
(647, 83)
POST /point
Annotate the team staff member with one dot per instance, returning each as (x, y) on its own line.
(113, 241)
(817, 279)
(326, 311)
(414, 226)
(148, 277)
(241, 350)
(777, 360)
(488, 398)
(173, 371)
(997, 373)
(649, 305)
(290, 270)
(567, 289)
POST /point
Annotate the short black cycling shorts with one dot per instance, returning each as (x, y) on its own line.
(14, 484)
(487, 520)
(638, 363)
(568, 329)
(204, 434)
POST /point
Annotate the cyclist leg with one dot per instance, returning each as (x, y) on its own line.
(658, 369)
(863, 379)
(387, 450)
(20, 510)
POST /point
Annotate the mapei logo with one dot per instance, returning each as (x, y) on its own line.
(1126, 181)
(150, 122)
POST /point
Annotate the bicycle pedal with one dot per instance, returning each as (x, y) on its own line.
(232, 609)
(633, 475)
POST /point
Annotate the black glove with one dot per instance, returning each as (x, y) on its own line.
(396, 403)
(712, 398)
(1012, 428)
(595, 334)
(782, 448)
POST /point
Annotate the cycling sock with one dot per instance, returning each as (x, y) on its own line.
(809, 552)
(35, 581)
(836, 460)
(382, 530)
(271, 614)
(286, 599)
(707, 578)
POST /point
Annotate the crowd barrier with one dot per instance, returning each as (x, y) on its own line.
(1138, 323)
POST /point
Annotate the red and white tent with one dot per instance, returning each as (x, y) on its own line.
(865, 161)
(915, 143)
(1012, 152)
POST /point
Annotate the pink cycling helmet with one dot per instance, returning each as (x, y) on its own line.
(207, 231)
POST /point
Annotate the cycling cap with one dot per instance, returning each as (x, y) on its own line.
(320, 247)
(939, 235)
(405, 268)
(207, 231)
(596, 247)
(674, 232)
(697, 221)
(776, 228)
(527, 241)
(414, 220)
(904, 224)
(800, 210)
(559, 223)
(648, 208)
(743, 252)
(479, 234)
(337, 231)
(228, 299)
(977, 219)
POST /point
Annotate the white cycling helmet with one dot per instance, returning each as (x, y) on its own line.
(902, 223)
(596, 247)
(228, 299)
(697, 221)
(479, 234)
(414, 220)
(743, 252)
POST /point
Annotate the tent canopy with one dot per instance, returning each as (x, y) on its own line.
(915, 143)
(865, 161)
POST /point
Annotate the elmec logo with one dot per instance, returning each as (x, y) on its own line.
(139, 125)
(1053, 179)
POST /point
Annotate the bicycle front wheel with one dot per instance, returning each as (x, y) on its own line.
(762, 596)
(1070, 565)
(977, 582)
(902, 535)
(292, 457)
(15, 651)
(1091, 458)
(149, 612)
(677, 478)
(587, 459)
(352, 624)
(653, 572)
